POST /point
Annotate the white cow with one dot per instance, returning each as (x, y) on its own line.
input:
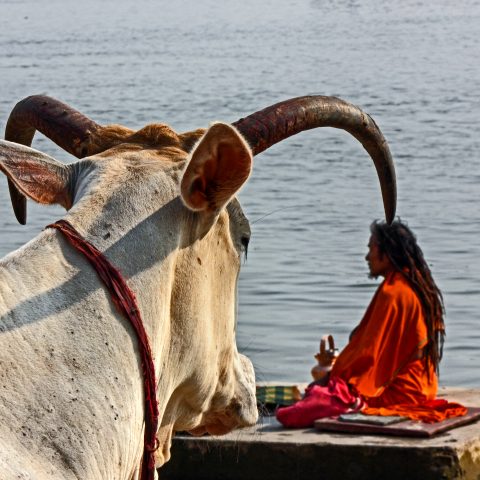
(161, 207)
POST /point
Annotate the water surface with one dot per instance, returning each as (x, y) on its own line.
(412, 65)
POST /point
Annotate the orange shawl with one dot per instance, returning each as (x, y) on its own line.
(382, 361)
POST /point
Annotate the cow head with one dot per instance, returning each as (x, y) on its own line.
(162, 206)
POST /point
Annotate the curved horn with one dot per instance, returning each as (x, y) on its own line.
(67, 127)
(282, 120)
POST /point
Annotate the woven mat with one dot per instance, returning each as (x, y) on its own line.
(408, 428)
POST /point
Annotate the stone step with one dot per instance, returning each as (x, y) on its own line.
(270, 452)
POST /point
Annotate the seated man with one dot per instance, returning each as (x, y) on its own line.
(391, 363)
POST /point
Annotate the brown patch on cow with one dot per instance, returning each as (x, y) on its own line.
(105, 138)
(159, 135)
(153, 135)
(190, 139)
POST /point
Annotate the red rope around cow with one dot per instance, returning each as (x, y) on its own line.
(124, 300)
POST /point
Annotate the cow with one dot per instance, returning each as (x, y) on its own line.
(161, 207)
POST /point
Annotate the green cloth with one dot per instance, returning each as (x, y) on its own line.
(277, 394)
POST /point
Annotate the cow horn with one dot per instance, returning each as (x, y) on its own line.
(282, 120)
(64, 125)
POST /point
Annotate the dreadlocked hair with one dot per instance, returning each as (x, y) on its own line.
(399, 243)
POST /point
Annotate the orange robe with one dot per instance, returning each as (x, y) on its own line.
(382, 361)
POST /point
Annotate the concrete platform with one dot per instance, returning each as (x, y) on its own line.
(270, 452)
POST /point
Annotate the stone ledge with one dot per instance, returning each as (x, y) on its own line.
(269, 452)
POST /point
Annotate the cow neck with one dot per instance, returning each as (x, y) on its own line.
(126, 303)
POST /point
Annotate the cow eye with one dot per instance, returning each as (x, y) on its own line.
(245, 241)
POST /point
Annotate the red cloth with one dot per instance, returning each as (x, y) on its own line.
(382, 361)
(126, 303)
(430, 411)
(381, 364)
(319, 402)
(384, 348)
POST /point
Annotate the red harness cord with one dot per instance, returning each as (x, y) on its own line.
(124, 300)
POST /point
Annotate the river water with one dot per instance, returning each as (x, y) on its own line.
(413, 65)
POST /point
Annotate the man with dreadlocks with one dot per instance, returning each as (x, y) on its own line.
(390, 364)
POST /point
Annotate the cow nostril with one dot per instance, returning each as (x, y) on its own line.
(235, 407)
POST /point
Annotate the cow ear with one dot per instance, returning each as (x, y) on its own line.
(37, 175)
(219, 165)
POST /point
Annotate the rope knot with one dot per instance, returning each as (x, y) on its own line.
(155, 447)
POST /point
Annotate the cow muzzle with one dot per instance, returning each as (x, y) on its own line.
(240, 412)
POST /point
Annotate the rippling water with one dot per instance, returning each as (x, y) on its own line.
(412, 65)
